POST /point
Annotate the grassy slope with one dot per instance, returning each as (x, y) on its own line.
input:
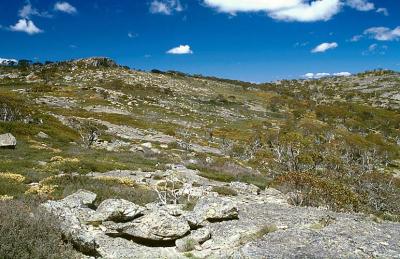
(324, 138)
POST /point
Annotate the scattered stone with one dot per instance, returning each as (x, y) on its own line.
(42, 135)
(8, 141)
(147, 145)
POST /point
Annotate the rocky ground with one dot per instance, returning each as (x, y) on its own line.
(253, 223)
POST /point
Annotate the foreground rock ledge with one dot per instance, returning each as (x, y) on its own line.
(248, 226)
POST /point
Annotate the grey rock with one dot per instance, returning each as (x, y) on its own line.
(119, 210)
(79, 199)
(245, 188)
(42, 135)
(120, 248)
(159, 226)
(7, 141)
(272, 192)
(195, 239)
(71, 226)
(212, 209)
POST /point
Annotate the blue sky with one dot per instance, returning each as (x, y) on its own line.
(253, 40)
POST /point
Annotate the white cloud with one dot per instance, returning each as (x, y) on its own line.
(321, 75)
(181, 50)
(6, 61)
(28, 11)
(315, 75)
(322, 10)
(25, 25)
(166, 7)
(383, 11)
(65, 7)
(290, 10)
(342, 74)
(324, 47)
(383, 33)
(361, 5)
(287, 10)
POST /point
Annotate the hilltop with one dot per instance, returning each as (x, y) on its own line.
(280, 164)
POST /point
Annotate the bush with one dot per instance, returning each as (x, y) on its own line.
(312, 190)
(28, 232)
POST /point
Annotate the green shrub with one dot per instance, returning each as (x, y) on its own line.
(315, 191)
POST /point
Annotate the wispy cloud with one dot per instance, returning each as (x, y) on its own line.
(181, 50)
(132, 35)
(383, 33)
(27, 11)
(166, 7)
(27, 26)
(361, 5)
(356, 38)
(375, 49)
(65, 7)
(383, 11)
(323, 47)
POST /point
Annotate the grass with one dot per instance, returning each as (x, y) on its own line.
(221, 176)
(105, 188)
(224, 190)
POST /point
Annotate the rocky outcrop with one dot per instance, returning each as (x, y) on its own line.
(96, 62)
(118, 210)
(249, 225)
(119, 222)
(8, 141)
(159, 226)
(210, 209)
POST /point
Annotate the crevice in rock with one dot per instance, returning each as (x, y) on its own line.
(221, 220)
(145, 242)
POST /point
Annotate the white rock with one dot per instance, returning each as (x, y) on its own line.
(7, 141)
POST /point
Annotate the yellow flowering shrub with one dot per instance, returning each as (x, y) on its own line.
(42, 190)
(12, 177)
(121, 180)
(6, 197)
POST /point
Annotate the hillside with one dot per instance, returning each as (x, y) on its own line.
(291, 161)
